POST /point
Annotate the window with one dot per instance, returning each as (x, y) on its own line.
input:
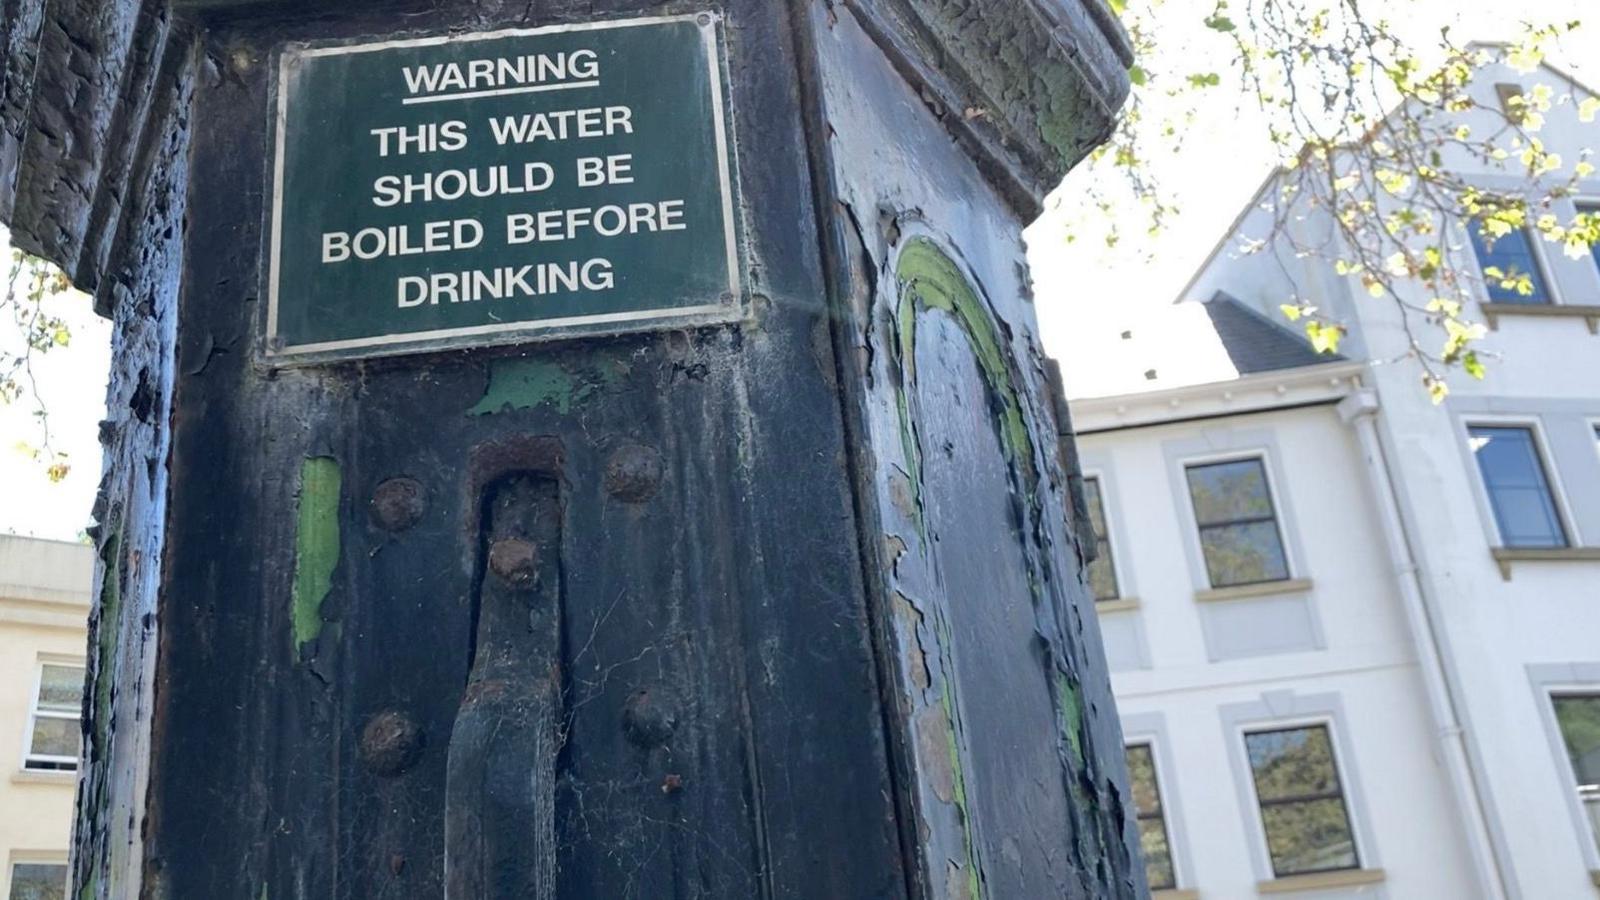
(1578, 715)
(1102, 572)
(1302, 802)
(38, 881)
(53, 733)
(1238, 527)
(1592, 210)
(1151, 818)
(1519, 492)
(1512, 256)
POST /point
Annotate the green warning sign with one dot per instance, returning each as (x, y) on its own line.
(500, 187)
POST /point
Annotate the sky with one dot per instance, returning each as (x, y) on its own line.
(1222, 164)
(72, 383)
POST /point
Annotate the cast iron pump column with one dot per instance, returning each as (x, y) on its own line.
(577, 448)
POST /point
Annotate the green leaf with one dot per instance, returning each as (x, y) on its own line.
(1219, 22)
(1324, 338)
(1473, 366)
(1137, 75)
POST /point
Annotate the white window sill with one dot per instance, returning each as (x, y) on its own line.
(1244, 591)
(1505, 556)
(1321, 881)
(1493, 311)
(1121, 604)
(36, 776)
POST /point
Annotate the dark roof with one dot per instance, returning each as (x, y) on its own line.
(1255, 343)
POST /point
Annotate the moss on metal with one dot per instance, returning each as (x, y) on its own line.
(1024, 76)
(316, 547)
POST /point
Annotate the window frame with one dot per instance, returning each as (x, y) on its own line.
(1552, 475)
(1100, 479)
(35, 713)
(1588, 836)
(1262, 457)
(1553, 296)
(1340, 771)
(1588, 202)
(1163, 814)
(34, 858)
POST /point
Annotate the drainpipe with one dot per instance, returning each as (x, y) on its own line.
(1360, 410)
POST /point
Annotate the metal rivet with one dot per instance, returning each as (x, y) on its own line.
(514, 560)
(649, 716)
(390, 743)
(633, 474)
(397, 503)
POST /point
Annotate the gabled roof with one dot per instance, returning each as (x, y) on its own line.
(1155, 349)
(1256, 344)
(1258, 197)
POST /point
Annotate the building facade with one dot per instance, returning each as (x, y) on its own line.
(1356, 634)
(44, 600)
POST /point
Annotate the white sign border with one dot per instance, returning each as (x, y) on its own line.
(732, 308)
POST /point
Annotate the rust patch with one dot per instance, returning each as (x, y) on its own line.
(917, 662)
(515, 561)
(933, 752)
(903, 494)
(957, 886)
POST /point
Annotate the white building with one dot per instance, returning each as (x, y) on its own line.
(1355, 635)
(44, 605)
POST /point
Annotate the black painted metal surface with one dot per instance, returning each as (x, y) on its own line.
(790, 608)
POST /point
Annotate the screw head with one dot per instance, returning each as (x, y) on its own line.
(390, 743)
(398, 503)
(649, 717)
(633, 474)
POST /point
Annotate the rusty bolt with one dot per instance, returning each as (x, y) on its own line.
(516, 561)
(391, 743)
(649, 716)
(397, 504)
(634, 473)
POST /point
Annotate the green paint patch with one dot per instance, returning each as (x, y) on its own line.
(528, 383)
(930, 279)
(947, 701)
(316, 547)
(1069, 700)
